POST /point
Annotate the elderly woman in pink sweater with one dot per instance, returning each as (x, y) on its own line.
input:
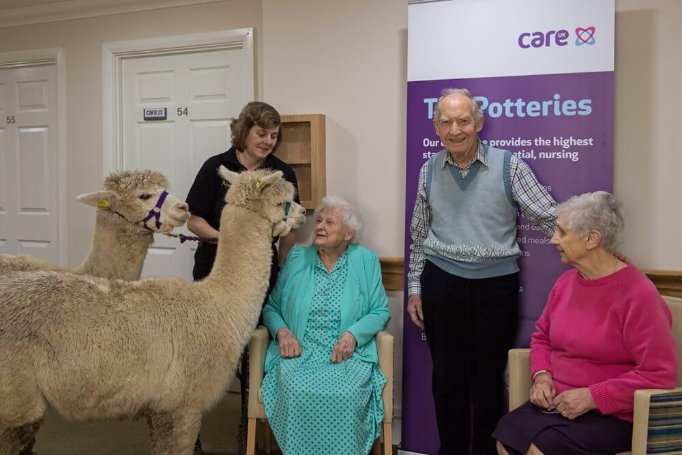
(604, 333)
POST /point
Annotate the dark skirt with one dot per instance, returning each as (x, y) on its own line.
(590, 434)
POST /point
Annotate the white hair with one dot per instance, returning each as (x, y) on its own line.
(349, 214)
(598, 211)
(476, 111)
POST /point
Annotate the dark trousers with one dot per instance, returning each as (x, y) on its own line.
(470, 325)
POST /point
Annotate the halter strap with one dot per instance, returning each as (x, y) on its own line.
(287, 207)
(155, 212)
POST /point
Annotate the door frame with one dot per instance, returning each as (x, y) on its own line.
(114, 54)
(43, 57)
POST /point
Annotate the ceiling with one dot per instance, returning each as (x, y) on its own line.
(9, 4)
(22, 12)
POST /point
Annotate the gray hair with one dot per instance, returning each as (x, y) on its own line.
(349, 214)
(598, 211)
(476, 111)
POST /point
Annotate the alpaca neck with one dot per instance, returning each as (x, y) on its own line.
(241, 270)
(118, 248)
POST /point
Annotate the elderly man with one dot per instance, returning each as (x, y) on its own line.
(463, 276)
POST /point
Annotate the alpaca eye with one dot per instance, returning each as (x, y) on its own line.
(145, 196)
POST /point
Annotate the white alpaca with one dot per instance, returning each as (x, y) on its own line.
(124, 228)
(161, 348)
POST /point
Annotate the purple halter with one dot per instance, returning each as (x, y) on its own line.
(155, 212)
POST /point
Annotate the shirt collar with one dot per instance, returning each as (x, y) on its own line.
(231, 157)
(481, 155)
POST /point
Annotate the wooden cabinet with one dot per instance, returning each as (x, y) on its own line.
(303, 148)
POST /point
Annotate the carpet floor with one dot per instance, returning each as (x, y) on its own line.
(58, 436)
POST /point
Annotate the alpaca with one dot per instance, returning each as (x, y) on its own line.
(161, 348)
(124, 228)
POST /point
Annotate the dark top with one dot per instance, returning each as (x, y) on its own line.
(206, 199)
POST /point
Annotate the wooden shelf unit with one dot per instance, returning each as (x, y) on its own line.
(303, 148)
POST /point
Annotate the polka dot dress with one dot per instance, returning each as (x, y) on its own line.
(314, 406)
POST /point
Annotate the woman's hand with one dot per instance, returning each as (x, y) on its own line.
(344, 348)
(288, 344)
(574, 403)
(542, 391)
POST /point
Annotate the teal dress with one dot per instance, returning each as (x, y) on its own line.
(315, 406)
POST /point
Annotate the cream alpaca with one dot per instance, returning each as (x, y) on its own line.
(161, 348)
(122, 236)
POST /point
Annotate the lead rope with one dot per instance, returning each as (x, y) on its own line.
(183, 238)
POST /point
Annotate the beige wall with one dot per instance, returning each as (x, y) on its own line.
(648, 153)
(347, 60)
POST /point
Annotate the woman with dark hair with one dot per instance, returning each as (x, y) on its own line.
(256, 133)
(604, 333)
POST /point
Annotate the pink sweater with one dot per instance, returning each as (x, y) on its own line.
(611, 335)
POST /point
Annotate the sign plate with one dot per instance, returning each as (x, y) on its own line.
(155, 113)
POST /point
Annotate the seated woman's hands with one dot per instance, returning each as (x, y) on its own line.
(288, 344)
(574, 403)
(542, 391)
(570, 403)
(344, 347)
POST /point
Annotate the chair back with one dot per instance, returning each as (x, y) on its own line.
(675, 304)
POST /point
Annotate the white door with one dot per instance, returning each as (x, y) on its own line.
(29, 201)
(199, 93)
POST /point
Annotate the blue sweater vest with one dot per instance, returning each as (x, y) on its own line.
(473, 218)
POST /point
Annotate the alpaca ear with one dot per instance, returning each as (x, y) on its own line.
(100, 199)
(227, 174)
(268, 180)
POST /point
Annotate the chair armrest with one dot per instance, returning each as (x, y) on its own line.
(518, 366)
(257, 348)
(385, 350)
(657, 421)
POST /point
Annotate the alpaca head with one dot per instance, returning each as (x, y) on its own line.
(267, 193)
(140, 196)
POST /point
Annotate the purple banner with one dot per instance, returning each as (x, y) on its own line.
(562, 126)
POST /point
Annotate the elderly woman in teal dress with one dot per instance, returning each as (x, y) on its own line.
(322, 387)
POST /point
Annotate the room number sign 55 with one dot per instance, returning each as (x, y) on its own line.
(11, 119)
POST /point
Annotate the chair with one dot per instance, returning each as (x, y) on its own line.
(257, 347)
(657, 425)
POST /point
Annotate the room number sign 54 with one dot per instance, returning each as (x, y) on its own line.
(11, 119)
(161, 113)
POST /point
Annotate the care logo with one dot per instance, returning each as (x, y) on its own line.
(556, 38)
(585, 36)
